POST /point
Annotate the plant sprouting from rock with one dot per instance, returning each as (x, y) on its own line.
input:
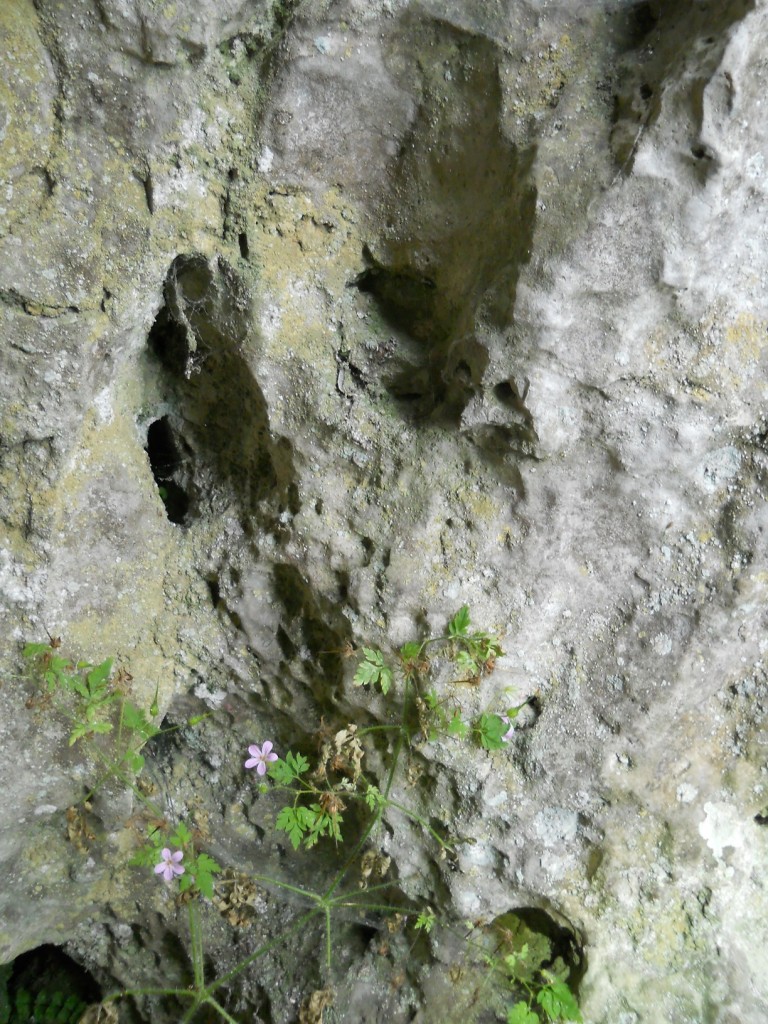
(333, 794)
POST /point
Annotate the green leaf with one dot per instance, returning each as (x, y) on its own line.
(203, 869)
(373, 670)
(281, 772)
(410, 652)
(135, 761)
(135, 719)
(208, 864)
(182, 836)
(80, 730)
(374, 798)
(98, 676)
(186, 881)
(146, 857)
(490, 729)
(32, 650)
(385, 679)
(467, 663)
(521, 1013)
(320, 823)
(287, 770)
(366, 674)
(559, 1003)
(459, 624)
(425, 921)
(79, 687)
(456, 727)
(288, 820)
(101, 727)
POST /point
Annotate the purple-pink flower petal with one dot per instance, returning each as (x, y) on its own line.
(260, 756)
(169, 865)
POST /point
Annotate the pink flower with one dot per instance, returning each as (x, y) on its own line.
(169, 866)
(260, 757)
(510, 731)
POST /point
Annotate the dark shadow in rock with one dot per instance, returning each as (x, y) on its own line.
(314, 625)
(46, 984)
(215, 442)
(458, 225)
(169, 460)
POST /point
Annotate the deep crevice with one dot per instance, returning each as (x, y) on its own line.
(168, 466)
(215, 444)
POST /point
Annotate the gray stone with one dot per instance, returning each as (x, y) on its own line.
(405, 305)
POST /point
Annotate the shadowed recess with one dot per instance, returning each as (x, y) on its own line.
(215, 444)
(457, 229)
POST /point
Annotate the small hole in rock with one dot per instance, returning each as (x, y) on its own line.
(242, 240)
(165, 461)
(214, 590)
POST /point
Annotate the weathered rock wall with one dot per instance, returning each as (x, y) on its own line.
(406, 304)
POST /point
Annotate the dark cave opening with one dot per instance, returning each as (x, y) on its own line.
(45, 984)
(166, 460)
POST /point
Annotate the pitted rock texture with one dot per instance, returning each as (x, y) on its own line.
(321, 320)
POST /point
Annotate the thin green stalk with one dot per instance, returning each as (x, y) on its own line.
(378, 728)
(315, 897)
(262, 950)
(124, 993)
(384, 908)
(417, 817)
(220, 1010)
(368, 889)
(196, 938)
(188, 1016)
(328, 936)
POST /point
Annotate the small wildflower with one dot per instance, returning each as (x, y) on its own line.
(169, 866)
(508, 734)
(260, 757)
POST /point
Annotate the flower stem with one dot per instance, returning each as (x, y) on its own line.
(196, 938)
(220, 1010)
(424, 824)
(315, 897)
(328, 936)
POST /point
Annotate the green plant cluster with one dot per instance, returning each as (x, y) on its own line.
(44, 1008)
(96, 701)
(522, 960)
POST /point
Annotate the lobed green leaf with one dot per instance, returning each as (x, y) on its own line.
(459, 624)
(490, 729)
(456, 727)
(559, 1003)
(33, 650)
(182, 836)
(521, 1013)
(98, 676)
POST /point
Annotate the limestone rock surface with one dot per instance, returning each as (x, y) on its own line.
(319, 321)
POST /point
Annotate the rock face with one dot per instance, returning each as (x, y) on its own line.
(321, 320)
